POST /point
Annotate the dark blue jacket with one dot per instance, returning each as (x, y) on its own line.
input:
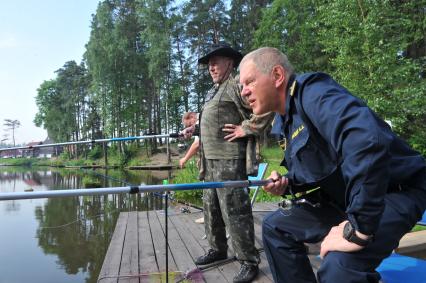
(335, 141)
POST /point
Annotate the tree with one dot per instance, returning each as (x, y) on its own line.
(11, 125)
(244, 18)
(374, 51)
(292, 27)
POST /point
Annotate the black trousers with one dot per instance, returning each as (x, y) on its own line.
(286, 231)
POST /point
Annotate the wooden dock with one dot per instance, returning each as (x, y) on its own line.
(137, 249)
(153, 167)
(137, 254)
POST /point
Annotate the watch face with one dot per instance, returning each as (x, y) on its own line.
(347, 230)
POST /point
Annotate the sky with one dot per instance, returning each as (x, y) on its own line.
(37, 37)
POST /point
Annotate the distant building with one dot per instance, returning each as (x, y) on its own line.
(31, 151)
(10, 153)
(41, 152)
(48, 152)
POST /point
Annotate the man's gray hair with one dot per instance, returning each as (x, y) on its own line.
(266, 58)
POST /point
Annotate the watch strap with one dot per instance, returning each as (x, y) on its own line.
(353, 238)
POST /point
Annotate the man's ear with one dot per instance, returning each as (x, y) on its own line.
(278, 75)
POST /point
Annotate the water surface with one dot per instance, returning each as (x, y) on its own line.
(63, 239)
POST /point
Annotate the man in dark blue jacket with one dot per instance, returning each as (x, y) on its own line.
(366, 187)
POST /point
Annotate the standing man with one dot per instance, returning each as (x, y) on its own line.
(372, 186)
(227, 153)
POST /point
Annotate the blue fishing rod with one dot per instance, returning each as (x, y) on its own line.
(132, 189)
(173, 135)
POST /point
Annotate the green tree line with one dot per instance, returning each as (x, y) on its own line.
(139, 73)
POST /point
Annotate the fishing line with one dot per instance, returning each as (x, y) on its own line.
(72, 222)
(95, 216)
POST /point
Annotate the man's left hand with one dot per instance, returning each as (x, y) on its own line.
(334, 241)
(235, 132)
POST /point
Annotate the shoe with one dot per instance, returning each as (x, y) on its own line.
(211, 256)
(247, 273)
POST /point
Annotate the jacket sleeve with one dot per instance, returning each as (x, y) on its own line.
(257, 123)
(356, 134)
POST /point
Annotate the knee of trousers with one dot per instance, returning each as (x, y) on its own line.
(276, 238)
(342, 267)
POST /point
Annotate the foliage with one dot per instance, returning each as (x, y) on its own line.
(189, 174)
(291, 26)
(140, 71)
(380, 58)
(96, 152)
(11, 125)
(418, 228)
(376, 49)
(91, 182)
(18, 161)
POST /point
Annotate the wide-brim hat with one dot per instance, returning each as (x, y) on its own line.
(221, 49)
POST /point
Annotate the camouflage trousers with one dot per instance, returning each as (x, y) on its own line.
(230, 208)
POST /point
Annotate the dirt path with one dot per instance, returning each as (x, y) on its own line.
(161, 157)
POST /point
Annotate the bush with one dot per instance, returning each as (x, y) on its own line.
(189, 174)
(96, 152)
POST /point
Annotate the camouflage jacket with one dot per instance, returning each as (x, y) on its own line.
(252, 125)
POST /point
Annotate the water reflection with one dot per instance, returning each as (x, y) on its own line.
(67, 238)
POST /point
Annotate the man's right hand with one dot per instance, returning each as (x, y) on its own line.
(188, 132)
(278, 186)
(182, 162)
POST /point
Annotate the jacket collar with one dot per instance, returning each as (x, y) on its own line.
(291, 90)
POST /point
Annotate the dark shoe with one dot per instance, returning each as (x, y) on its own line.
(210, 256)
(247, 273)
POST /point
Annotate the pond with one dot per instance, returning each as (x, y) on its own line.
(63, 239)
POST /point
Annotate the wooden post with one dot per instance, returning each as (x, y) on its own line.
(169, 160)
(105, 154)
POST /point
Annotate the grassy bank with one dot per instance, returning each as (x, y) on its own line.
(190, 174)
(133, 156)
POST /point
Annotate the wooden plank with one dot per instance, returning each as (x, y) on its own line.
(185, 233)
(130, 258)
(147, 261)
(228, 270)
(265, 274)
(152, 167)
(412, 242)
(193, 246)
(271, 206)
(110, 268)
(178, 250)
(160, 243)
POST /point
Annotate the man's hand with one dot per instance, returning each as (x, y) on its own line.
(235, 132)
(182, 162)
(278, 186)
(188, 132)
(334, 241)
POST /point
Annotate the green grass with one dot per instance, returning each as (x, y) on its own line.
(189, 174)
(91, 182)
(418, 228)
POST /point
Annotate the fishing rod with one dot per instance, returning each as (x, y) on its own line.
(173, 135)
(130, 184)
(132, 189)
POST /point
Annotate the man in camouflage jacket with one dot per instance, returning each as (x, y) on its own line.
(228, 152)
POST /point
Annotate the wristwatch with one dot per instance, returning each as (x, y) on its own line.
(350, 235)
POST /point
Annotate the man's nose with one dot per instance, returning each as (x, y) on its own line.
(244, 92)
